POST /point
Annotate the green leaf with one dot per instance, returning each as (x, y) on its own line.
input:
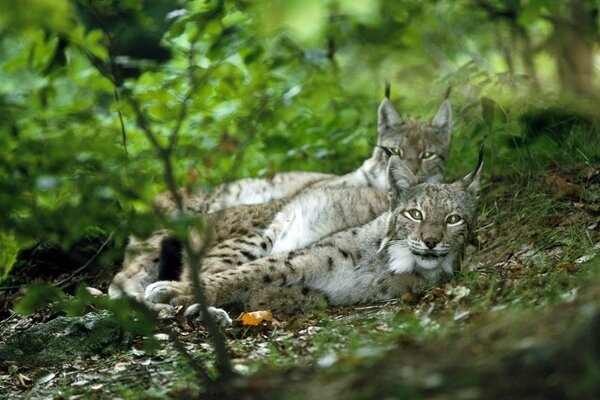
(37, 296)
(8, 254)
(487, 111)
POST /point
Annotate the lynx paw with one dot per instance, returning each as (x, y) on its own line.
(164, 292)
(220, 316)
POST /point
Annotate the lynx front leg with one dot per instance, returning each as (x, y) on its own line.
(140, 266)
(287, 300)
(307, 267)
(173, 293)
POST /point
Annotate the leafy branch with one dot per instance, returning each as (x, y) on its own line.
(194, 256)
(165, 153)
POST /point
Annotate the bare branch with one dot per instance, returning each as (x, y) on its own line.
(123, 132)
(84, 266)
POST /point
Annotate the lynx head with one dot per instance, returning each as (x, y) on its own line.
(422, 146)
(428, 223)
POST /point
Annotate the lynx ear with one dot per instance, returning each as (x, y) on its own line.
(400, 178)
(443, 118)
(387, 115)
(471, 181)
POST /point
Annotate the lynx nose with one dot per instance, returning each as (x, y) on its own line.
(430, 242)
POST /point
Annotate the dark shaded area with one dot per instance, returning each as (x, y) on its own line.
(170, 263)
(132, 35)
(535, 355)
(554, 122)
(49, 263)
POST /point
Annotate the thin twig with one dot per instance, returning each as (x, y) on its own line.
(84, 266)
(195, 257)
(7, 319)
(123, 132)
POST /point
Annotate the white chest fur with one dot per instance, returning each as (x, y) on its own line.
(401, 260)
(300, 224)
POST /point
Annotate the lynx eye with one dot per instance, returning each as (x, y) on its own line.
(414, 214)
(454, 219)
(397, 151)
(427, 155)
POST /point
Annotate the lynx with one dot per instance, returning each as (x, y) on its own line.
(331, 205)
(416, 242)
(424, 146)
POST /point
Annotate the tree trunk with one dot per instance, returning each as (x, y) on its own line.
(572, 43)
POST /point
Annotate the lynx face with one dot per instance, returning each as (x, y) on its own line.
(422, 146)
(429, 223)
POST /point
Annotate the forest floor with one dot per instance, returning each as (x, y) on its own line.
(519, 320)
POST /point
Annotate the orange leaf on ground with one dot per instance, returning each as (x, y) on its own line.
(255, 317)
(560, 187)
(409, 297)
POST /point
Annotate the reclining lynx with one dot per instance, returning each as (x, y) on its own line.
(332, 205)
(423, 145)
(415, 242)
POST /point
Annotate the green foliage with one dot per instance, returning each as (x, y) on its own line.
(240, 88)
(8, 254)
(37, 296)
(268, 87)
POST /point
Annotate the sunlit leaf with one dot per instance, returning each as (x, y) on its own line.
(255, 317)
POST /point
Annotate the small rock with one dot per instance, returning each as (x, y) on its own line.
(94, 292)
(584, 259)
(163, 337)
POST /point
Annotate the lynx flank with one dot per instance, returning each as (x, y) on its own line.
(416, 242)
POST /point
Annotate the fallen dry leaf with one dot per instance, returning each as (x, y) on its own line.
(228, 143)
(560, 187)
(409, 297)
(256, 317)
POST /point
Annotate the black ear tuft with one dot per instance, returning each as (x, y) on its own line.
(387, 90)
(471, 181)
(480, 159)
(448, 92)
(387, 150)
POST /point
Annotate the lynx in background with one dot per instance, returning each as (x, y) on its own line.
(424, 148)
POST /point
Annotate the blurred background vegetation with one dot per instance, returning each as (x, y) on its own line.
(258, 87)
